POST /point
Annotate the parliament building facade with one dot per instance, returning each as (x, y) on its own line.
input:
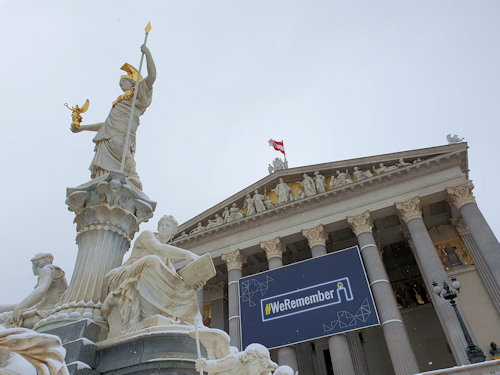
(414, 218)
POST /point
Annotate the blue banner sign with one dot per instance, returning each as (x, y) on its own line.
(306, 300)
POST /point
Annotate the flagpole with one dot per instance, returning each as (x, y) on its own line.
(134, 99)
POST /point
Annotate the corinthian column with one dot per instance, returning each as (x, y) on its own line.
(340, 351)
(402, 355)
(432, 269)
(234, 262)
(481, 264)
(274, 252)
(108, 212)
(487, 244)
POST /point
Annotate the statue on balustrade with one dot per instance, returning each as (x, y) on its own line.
(198, 229)
(258, 201)
(235, 213)
(360, 175)
(147, 284)
(282, 190)
(319, 179)
(383, 169)
(250, 205)
(111, 134)
(44, 297)
(343, 178)
(308, 184)
(212, 223)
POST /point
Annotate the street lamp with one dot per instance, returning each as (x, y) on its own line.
(474, 353)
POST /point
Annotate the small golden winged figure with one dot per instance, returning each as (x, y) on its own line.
(77, 111)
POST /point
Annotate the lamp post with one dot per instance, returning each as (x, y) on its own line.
(474, 353)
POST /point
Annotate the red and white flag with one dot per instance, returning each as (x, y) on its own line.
(278, 146)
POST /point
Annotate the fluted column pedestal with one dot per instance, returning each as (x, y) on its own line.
(487, 244)
(341, 357)
(108, 213)
(274, 252)
(234, 262)
(432, 269)
(402, 355)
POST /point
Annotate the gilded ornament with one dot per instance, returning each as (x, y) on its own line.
(76, 112)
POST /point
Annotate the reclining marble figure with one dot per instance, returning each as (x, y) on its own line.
(147, 284)
(46, 294)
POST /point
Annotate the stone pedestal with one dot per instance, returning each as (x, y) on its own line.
(108, 212)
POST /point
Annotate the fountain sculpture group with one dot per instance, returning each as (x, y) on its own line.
(144, 303)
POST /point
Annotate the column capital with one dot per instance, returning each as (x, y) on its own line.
(315, 236)
(460, 226)
(273, 248)
(461, 194)
(409, 209)
(361, 223)
(234, 260)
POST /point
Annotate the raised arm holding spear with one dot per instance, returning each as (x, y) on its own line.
(115, 138)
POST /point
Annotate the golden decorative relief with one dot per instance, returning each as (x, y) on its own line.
(76, 112)
(453, 253)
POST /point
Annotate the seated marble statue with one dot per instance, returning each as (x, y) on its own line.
(254, 360)
(24, 351)
(147, 284)
(46, 294)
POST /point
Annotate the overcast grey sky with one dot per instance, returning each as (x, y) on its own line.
(334, 79)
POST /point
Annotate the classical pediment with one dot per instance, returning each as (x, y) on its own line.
(292, 190)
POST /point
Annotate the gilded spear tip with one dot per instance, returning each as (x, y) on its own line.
(148, 28)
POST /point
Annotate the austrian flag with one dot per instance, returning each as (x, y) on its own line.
(278, 146)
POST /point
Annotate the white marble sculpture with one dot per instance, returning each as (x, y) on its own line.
(270, 168)
(284, 370)
(250, 205)
(258, 201)
(453, 139)
(225, 360)
(26, 352)
(268, 203)
(282, 190)
(343, 178)
(308, 185)
(110, 138)
(319, 179)
(50, 286)
(182, 235)
(360, 175)
(235, 213)
(417, 160)
(147, 284)
(401, 163)
(225, 214)
(278, 164)
(383, 169)
(299, 194)
(212, 223)
(198, 229)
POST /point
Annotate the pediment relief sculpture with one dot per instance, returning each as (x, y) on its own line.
(285, 192)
